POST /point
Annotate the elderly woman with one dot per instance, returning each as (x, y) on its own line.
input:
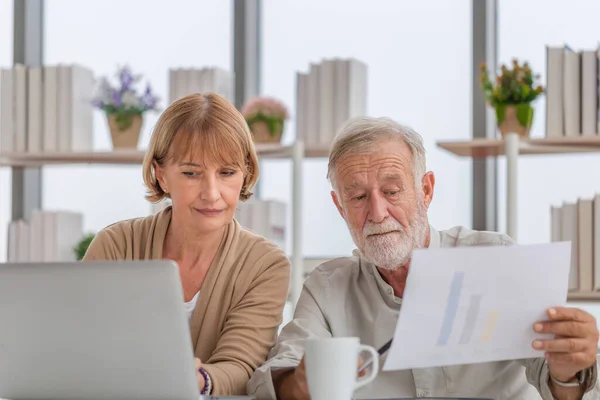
(235, 283)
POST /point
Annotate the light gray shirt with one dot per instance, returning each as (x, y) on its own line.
(348, 297)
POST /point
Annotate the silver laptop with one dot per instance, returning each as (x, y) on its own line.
(94, 330)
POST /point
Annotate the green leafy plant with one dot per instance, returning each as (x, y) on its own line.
(83, 245)
(513, 86)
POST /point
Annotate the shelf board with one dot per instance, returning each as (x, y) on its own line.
(481, 148)
(583, 296)
(133, 157)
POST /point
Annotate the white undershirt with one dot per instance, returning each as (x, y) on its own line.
(190, 305)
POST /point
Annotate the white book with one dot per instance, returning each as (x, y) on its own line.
(243, 213)
(301, 105)
(204, 84)
(352, 88)
(7, 113)
(596, 241)
(277, 223)
(223, 84)
(358, 88)
(62, 231)
(13, 242)
(585, 244)
(572, 93)
(18, 241)
(342, 94)
(20, 109)
(36, 239)
(598, 92)
(555, 224)
(82, 118)
(23, 241)
(196, 81)
(569, 233)
(75, 117)
(69, 231)
(49, 250)
(326, 102)
(589, 93)
(554, 91)
(181, 83)
(314, 110)
(172, 86)
(50, 122)
(35, 115)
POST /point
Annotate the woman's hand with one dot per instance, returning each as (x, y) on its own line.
(199, 376)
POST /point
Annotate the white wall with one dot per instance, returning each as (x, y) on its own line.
(6, 46)
(419, 74)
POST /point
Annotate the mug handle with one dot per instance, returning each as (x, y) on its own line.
(364, 380)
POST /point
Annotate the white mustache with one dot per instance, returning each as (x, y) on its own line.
(388, 225)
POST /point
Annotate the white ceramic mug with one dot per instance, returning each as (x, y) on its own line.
(332, 367)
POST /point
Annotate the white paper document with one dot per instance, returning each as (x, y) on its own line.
(467, 305)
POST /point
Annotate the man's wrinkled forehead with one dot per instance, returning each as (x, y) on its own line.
(357, 170)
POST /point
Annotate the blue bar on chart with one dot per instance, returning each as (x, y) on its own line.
(472, 314)
(451, 308)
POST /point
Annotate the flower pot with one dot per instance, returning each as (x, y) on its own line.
(262, 133)
(515, 118)
(125, 135)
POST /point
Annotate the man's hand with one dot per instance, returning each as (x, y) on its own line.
(199, 376)
(575, 344)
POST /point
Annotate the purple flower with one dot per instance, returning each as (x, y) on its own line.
(126, 78)
(124, 96)
(116, 98)
(148, 99)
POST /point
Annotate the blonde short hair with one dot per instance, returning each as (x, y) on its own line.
(203, 127)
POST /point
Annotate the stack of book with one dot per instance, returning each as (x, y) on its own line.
(579, 223)
(332, 92)
(186, 81)
(46, 109)
(50, 236)
(572, 77)
(266, 218)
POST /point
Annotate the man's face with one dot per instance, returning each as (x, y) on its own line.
(385, 213)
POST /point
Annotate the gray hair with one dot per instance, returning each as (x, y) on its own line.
(361, 134)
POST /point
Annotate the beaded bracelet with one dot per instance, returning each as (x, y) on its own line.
(207, 389)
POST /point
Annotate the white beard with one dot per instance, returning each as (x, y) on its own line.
(391, 250)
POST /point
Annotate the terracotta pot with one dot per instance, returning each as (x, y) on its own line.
(514, 118)
(127, 138)
(261, 133)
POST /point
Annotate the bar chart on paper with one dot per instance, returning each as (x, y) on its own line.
(474, 317)
(477, 304)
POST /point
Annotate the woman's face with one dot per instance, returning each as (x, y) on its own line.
(204, 197)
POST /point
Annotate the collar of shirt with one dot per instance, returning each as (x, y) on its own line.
(386, 290)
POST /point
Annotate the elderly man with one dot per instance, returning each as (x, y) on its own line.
(382, 191)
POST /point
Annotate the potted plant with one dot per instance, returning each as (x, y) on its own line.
(82, 246)
(266, 117)
(124, 107)
(512, 96)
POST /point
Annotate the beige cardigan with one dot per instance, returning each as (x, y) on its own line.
(240, 306)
